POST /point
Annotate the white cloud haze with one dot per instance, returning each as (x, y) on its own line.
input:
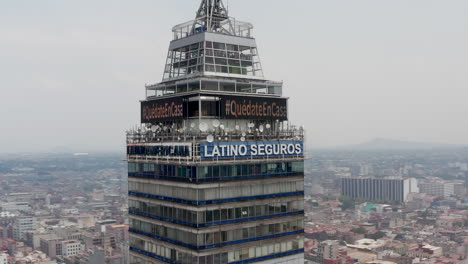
(72, 72)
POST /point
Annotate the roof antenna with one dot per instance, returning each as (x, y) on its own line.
(227, 7)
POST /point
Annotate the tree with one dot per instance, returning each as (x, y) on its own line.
(359, 230)
(346, 203)
(377, 235)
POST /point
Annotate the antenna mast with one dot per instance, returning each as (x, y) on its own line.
(212, 16)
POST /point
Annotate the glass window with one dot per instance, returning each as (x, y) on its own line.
(232, 47)
(235, 70)
(233, 55)
(298, 166)
(244, 88)
(171, 89)
(260, 88)
(210, 68)
(209, 60)
(211, 86)
(222, 69)
(194, 86)
(220, 53)
(220, 46)
(220, 61)
(194, 46)
(246, 63)
(210, 108)
(227, 87)
(224, 214)
(182, 88)
(234, 62)
(238, 213)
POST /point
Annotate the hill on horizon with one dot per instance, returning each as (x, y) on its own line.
(392, 144)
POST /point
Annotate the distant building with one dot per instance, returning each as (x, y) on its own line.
(459, 189)
(22, 225)
(51, 245)
(72, 248)
(328, 251)
(3, 258)
(7, 218)
(437, 188)
(15, 207)
(379, 189)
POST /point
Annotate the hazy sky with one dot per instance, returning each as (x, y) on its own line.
(72, 72)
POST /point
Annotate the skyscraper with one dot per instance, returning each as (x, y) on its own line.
(216, 172)
(392, 189)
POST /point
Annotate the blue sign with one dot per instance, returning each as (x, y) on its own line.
(245, 150)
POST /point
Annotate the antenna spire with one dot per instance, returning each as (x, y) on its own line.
(211, 14)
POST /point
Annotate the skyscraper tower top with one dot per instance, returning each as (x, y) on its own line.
(216, 171)
(213, 45)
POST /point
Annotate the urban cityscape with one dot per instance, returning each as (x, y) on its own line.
(216, 171)
(72, 208)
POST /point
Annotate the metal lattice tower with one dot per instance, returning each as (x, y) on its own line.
(213, 16)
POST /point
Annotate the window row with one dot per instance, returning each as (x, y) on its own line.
(239, 87)
(160, 150)
(248, 253)
(213, 45)
(216, 215)
(218, 237)
(148, 170)
(216, 193)
(190, 59)
(219, 59)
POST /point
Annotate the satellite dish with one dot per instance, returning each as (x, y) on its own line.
(243, 139)
(243, 134)
(237, 127)
(203, 127)
(268, 126)
(192, 125)
(165, 128)
(251, 125)
(222, 127)
(210, 138)
(216, 123)
(220, 138)
(226, 138)
(154, 128)
(261, 128)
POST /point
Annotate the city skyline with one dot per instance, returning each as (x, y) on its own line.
(392, 70)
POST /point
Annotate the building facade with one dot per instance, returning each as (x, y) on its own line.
(3, 258)
(22, 225)
(72, 248)
(379, 189)
(216, 172)
(437, 188)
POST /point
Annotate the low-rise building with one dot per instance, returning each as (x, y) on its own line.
(72, 248)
